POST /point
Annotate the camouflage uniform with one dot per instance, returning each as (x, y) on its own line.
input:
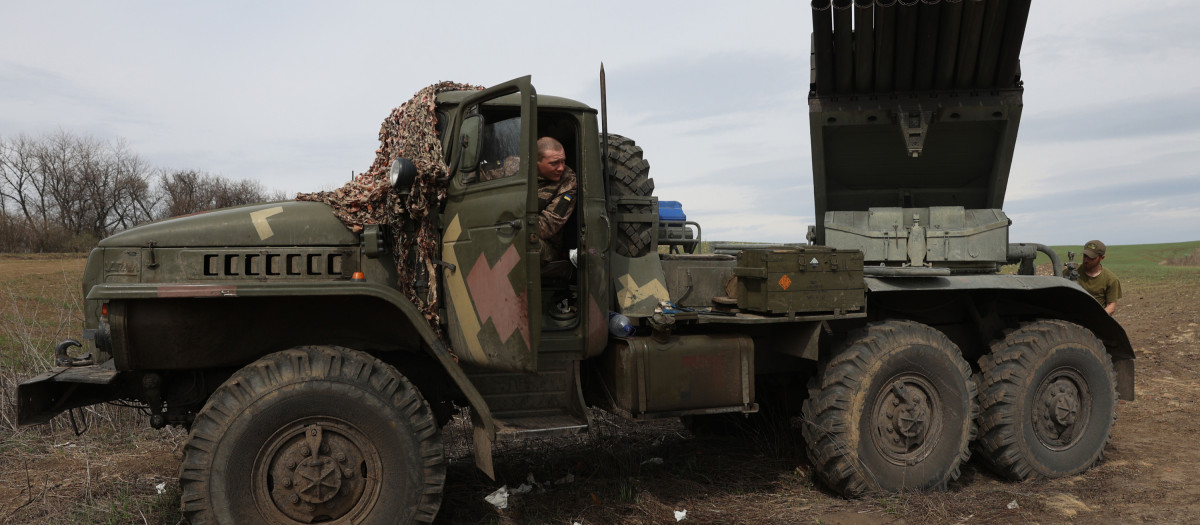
(556, 200)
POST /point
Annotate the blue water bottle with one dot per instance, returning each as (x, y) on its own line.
(619, 325)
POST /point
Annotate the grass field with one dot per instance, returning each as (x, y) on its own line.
(40, 305)
(1143, 262)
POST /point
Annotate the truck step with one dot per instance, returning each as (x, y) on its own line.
(553, 388)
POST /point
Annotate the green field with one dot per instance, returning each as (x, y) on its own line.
(1145, 263)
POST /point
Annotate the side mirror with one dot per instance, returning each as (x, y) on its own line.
(402, 174)
(469, 142)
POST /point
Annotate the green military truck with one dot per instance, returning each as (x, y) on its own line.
(314, 390)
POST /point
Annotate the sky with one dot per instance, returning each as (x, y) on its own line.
(291, 94)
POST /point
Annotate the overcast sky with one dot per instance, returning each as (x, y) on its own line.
(292, 94)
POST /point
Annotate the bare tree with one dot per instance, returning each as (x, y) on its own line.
(64, 192)
(190, 191)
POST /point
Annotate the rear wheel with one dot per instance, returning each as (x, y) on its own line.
(314, 434)
(892, 410)
(1048, 396)
(629, 176)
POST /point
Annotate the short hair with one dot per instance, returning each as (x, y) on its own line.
(548, 144)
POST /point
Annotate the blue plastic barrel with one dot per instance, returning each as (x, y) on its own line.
(671, 211)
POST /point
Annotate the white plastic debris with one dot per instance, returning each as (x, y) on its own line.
(680, 515)
(1013, 505)
(525, 488)
(161, 487)
(569, 478)
(498, 499)
(653, 461)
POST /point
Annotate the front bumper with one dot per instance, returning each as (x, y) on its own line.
(63, 388)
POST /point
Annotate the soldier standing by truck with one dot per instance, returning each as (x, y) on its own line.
(1099, 281)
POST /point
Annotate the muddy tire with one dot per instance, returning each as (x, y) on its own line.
(313, 434)
(1048, 400)
(629, 176)
(894, 409)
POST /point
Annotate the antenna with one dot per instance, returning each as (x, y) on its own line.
(603, 129)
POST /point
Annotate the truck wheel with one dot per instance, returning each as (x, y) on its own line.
(629, 175)
(893, 409)
(313, 434)
(1048, 398)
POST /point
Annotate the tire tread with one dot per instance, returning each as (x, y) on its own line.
(308, 362)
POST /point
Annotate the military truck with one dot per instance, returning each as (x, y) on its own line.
(315, 391)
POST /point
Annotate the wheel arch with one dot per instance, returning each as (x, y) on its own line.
(232, 325)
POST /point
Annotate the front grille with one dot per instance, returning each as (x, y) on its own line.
(268, 264)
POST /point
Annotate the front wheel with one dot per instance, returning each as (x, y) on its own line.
(314, 434)
(1049, 399)
(892, 410)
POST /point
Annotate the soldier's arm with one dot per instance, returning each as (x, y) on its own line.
(555, 214)
(1111, 295)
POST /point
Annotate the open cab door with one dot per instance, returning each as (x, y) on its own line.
(490, 224)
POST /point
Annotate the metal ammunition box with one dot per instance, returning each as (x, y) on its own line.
(693, 280)
(686, 374)
(802, 280)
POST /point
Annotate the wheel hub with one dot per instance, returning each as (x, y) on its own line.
(316, 471)
(1059, 408)
(903, 418)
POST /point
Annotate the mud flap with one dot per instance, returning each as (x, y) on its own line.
(482, 438)
(1124, 369)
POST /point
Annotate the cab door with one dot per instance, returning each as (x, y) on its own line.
(489, 230)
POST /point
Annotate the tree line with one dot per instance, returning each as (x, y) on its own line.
(63, 192)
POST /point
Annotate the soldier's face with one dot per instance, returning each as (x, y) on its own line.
(552, 165)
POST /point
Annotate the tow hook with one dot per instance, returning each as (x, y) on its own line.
(61, 358)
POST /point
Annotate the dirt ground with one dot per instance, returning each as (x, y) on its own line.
(646, 473)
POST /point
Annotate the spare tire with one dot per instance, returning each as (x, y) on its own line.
(629, 176)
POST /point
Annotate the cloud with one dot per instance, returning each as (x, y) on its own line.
(710, 85)
(31, 94)
(1161, 114)
(716, 93)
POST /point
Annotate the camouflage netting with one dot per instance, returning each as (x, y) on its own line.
(409, 132)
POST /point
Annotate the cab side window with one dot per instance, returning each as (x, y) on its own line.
(500, 151)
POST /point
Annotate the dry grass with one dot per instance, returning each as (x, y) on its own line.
(47, 473)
